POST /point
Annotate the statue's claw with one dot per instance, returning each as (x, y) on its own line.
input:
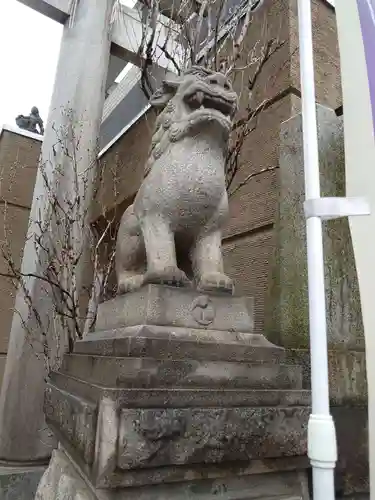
(130, 283)
(216, 282)
(172, 276)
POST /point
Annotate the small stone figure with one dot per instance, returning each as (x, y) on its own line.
(182, 204)
(31, 122)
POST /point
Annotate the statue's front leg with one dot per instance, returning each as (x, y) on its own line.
(208, 264)
(161, 252)
(130, 254)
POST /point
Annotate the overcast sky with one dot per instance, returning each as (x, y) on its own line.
(29, 48)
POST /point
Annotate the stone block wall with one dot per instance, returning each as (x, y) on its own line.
(19, 153)
(288, 321)
(286, 317)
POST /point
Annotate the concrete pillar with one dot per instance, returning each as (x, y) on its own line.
(79, 85)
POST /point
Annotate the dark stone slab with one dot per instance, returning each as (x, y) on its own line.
(20, 485)
(288, 485)
(352, 469)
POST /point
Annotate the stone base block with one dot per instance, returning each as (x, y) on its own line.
(132, 437)
(261, 480)
(178, 308)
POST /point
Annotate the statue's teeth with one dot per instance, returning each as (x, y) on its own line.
(200, 97)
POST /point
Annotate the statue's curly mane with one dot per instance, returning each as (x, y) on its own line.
(162, 124)
(170, 123)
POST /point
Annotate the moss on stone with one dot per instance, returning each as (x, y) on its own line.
(19, 486)
(287, 320)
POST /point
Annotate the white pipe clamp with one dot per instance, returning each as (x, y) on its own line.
(334, 207)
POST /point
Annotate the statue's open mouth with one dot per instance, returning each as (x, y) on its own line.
(220, 102)
(202, 100)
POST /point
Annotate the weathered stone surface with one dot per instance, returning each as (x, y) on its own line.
(179, 433)
(287, 315)
(19, 485)
(181, 308)
(347, 375)
(182, 204)
(172, 343)
(152, 373)
(182, 397)
(74, 419)
(62, 482)
(149, 438)
(261, 480)
(287, 486)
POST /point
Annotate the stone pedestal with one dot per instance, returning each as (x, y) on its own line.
(174, 397)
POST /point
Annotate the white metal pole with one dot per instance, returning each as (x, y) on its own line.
(321, 430)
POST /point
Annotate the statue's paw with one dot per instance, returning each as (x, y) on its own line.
(172, 276)
(130, 284)
(211, 282)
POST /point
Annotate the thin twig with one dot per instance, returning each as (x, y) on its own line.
(250, 176)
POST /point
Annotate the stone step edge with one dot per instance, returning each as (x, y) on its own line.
(94, 391)
(179, 334)
(278, 367)
(146, 347)
(198, 374)
(251, 364)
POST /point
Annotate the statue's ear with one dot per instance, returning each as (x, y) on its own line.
(168, 89)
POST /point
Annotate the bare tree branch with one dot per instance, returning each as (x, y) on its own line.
(57, 233)
(249, 177)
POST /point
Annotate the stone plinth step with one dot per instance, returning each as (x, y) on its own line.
(154, 373)
(180, 397)
(179, 343)
(258, 480)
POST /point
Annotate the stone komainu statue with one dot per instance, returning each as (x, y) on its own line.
(31, 122)
(172, 232)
